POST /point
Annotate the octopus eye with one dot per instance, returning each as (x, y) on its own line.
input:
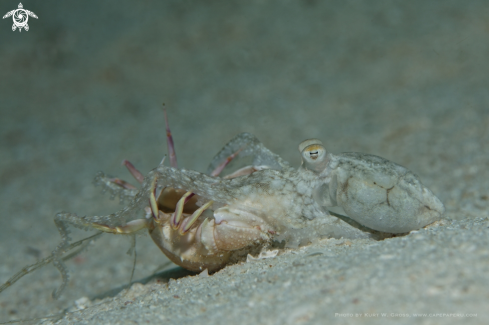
(313, 155)
(313, 152)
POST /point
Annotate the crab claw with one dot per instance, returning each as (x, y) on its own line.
(232, 229)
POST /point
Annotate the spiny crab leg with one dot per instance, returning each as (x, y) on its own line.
(220, 168)
(134, 172)
(177, 215)
(171, 146)
(176, 219)
(187, 223)
(122, 183)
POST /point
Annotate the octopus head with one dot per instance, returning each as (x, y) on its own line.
(314, 155)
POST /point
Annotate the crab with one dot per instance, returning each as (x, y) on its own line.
(204, 222)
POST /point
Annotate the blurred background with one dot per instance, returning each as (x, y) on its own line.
(83, 89)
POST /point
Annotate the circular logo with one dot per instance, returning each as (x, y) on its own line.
(20, 17)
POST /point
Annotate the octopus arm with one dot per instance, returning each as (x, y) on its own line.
(248, 145)
(213, 188)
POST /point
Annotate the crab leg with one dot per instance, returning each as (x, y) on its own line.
(171, 146)
(187, 223)
(177, 215)
(134, 172)
(129, 228)
(176, 219)
(115, 186)
(152, 200)
(245, 171)
(219, 168)
(122, 183)
(250, 146)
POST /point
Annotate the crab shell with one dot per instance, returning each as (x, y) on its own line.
(210, 243)
(373, 191)
(181, 249)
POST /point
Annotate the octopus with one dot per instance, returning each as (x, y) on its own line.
(202, 221)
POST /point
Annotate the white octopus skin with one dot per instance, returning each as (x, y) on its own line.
(378, 193)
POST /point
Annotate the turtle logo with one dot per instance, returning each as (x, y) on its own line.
(20, 17)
